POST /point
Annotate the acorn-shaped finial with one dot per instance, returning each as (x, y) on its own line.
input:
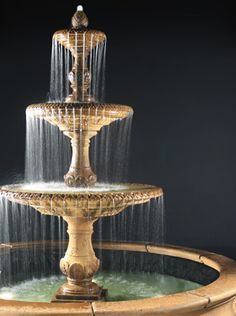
(79, 19)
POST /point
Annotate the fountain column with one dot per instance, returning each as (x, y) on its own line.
(80, 263)
(80, 172)
(80, 77)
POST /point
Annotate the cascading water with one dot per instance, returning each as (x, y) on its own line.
(48, 149)
(61, 64)
(140, 223)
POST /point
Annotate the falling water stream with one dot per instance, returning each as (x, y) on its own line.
(50, 150)
(61, 64)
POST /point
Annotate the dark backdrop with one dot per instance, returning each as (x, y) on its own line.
(176, 65)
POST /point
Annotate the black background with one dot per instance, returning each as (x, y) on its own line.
(176, 65)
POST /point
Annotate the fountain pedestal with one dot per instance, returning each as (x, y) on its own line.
(80, 263)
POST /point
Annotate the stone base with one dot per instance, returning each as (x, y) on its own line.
(61, 297)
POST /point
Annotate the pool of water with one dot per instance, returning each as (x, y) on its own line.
(121, 286)
(60, 187)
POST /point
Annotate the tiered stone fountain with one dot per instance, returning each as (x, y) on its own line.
(80, 118)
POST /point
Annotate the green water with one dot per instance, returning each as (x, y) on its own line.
(120, 285)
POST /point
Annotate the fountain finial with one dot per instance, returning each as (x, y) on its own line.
(79, 19)
(80, 8)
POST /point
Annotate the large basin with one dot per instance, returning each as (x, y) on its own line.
(214, 299)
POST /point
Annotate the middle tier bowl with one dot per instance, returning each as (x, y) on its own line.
(79, 121)
(101, 200)
(79, 116)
